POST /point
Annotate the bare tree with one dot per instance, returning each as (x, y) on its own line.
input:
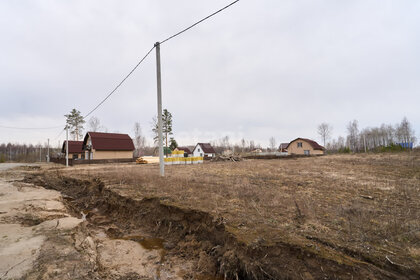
(324, 130)
(224, 142)
(94, 124)
(243, 144)
(139, 139)
(272, 143)
(251, 145)
(404, 132)
(353, 135)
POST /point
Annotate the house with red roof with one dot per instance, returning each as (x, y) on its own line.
(101, 145)
(204, 150)
(187, 151)
(304, 146)
(75, 149)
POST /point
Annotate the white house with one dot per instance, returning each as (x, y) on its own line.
(204, 150)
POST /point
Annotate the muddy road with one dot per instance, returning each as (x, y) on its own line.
(42, 238)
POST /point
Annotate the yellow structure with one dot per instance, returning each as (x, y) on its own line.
(177, 157)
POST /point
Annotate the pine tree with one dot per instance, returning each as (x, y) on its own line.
(75, 123)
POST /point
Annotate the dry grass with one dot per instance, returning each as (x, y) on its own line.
(367, 206)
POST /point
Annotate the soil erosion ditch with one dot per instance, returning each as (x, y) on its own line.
(205, 242)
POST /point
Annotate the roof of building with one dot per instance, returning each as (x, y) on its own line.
(185, 149)
(75, 147)
(207, 148)
(313, 144)
(283, 145)
(109, 141)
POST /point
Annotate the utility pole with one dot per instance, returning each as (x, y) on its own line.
(67, 146)
(40, 152)
(159, 100)
(48, 150)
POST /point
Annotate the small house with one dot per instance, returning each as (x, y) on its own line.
(100, 145)
(303, 146)
(283, 147)
(187, 151)
(204, 150)
(75, 149)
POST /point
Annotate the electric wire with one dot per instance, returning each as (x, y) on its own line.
(131, 72)
(33, 128)
(198, 22)
(58, 136)
(123, 80)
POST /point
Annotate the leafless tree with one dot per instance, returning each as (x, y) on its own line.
(272, 143)
(243, 144)
(251, 145)
(353, 135)
(324, 130)
(139, 139)
(404, 132)
(224, 142)
(94, 124)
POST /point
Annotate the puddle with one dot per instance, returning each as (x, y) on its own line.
(148, 243)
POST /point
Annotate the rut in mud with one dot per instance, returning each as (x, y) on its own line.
(198, 237)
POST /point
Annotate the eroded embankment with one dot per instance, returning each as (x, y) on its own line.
(204, 240)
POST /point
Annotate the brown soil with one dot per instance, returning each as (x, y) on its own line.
(335, 217)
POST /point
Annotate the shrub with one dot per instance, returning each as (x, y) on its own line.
(391, 148)
(344, 150)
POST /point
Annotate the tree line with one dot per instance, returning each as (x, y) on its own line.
(383, 137)
(25, 153)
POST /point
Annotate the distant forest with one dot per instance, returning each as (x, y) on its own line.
(25, 153)
(384, 138)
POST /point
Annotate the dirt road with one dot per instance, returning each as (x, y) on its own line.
(40, 239)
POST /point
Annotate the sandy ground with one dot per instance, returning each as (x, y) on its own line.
(23, 205)
(39, 239)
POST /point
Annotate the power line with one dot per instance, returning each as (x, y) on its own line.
(123, 80)
(198, 22)
(129, 74)
(58, 136)
(32, 128)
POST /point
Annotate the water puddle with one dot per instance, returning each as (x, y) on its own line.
(150, 243)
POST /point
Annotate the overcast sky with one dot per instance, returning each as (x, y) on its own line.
(259, 69)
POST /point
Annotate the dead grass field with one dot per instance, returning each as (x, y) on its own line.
(361, 208)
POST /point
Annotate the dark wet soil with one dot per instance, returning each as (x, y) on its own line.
(198, 237)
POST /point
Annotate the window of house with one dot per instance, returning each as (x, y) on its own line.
(201, 154)
(199, 150)
(299, 144)
(307, 152)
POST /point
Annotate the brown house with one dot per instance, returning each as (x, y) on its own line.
(75, 149)
(303, 146)
(100, 145)
(283, 147)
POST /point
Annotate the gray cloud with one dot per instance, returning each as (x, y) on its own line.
(259, 69)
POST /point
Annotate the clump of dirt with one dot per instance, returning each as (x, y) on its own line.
(196, 235)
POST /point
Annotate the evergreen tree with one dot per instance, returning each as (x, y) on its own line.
(166, 127)
(75, 123)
